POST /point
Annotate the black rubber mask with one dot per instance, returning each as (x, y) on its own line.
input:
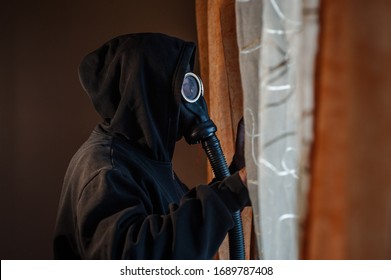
(195, 123)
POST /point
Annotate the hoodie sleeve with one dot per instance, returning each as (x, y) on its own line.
(114, 220)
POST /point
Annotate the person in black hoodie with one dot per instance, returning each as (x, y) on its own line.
(121, 198)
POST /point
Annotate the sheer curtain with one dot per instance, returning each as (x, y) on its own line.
(277, 42)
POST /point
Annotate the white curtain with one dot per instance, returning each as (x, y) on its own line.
(277, 42)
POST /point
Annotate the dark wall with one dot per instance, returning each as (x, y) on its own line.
(44, 113)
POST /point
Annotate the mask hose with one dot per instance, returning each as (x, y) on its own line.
(215, 155)
(194, 108)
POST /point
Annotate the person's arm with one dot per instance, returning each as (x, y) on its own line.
(115, 220)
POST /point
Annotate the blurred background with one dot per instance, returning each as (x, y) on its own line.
(44, 113)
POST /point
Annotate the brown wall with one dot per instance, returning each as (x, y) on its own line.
(44, 113)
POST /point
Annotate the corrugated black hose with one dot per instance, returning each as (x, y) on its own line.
(213, 150)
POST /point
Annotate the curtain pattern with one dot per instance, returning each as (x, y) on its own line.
(277, 45)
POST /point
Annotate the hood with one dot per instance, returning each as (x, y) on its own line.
(134, 82)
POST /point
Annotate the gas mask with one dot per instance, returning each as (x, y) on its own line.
(195, 123)
(197, 127)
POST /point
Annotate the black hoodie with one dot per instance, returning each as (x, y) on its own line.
(120, 198)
